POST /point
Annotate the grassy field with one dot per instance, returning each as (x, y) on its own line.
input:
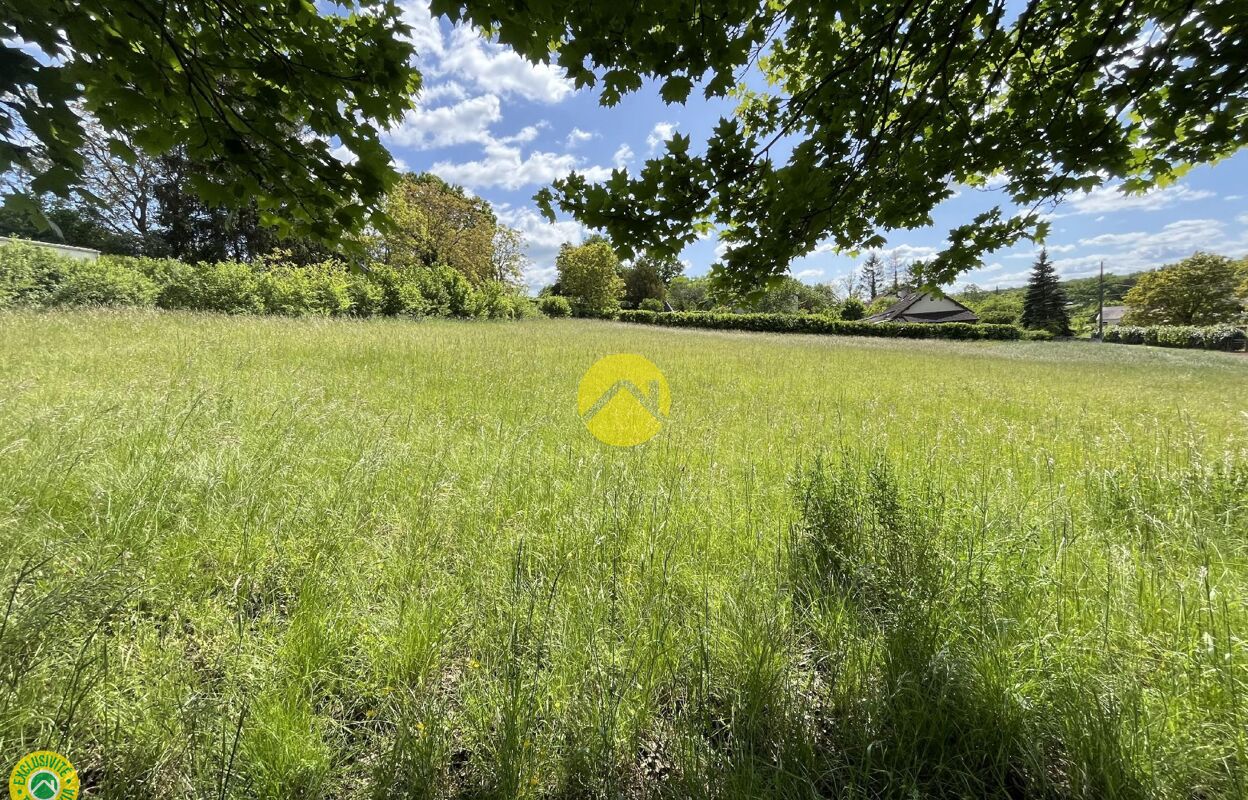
(266, 558)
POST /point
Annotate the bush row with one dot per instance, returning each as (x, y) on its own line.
(1213, 337)
(803, 323)
(36, 277)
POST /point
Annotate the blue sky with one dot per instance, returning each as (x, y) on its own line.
(503, 128)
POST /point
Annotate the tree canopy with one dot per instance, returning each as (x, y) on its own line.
(251, 93)
(435, 223)
(1199, 290)
(874, 110)
(589, 276)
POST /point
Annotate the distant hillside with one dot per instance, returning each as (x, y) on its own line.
(1081, 292)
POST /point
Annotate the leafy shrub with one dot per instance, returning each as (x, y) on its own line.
(556, 306)
(317, 289)
(29, 275)
(497, 300)
(397, 293)
(804, 323)
(330, 292)
(853, 309)
(367, 296)
(34, 276)
(1038, 335)
(998, 318)
(493, 300)
(1212, 337)
(462, 299)
(175, 280)
(285, 291)
(103, 282)
(1225, 337)
(444, 292)
(652, 304)
(522, 306)
(1124, 334)
(229, 287)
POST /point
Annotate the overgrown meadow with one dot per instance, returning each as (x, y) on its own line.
(306, 558)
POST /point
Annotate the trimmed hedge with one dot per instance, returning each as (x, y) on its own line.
(37, 277)
(1212, 337)
(802, 323)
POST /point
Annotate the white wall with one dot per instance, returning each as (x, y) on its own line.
(930, 305)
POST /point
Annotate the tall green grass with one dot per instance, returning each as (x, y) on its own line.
(272, 558)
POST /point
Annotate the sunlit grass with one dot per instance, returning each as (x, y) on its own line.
(263, 558)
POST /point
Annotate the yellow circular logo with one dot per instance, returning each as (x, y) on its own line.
(44, 775)
(623, 399)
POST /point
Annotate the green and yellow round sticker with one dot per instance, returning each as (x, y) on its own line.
(44, 775)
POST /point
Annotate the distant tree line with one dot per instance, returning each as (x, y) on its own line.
(1203, 289)
(595, 281)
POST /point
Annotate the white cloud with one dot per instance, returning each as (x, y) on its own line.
(577, 136)
(346, 156)
(526, 134)
(1233, 197)
(659, 134)
(506, 167)
(623, 155)
(1032, 254)
(1109, 199)
(1178, 239)
(426, 33)
(905, 252)
(492, 67)
(808, 274)
(447, 90)
(1141, 250)
(910, 252)
(1129, 252)
(543, 240)
(469, 56)
(469, 120)
(343, 154)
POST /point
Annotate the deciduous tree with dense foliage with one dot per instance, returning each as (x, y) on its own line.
(254, 93)
(589, 276)
(1200, 290)
(508, 258)
(435, 223)
(689, 294)
(1044, 304)
(643, 281)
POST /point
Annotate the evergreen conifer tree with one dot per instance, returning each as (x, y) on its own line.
(1044, 305)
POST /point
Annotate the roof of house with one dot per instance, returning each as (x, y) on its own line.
(901, 311)
(1115, 312)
